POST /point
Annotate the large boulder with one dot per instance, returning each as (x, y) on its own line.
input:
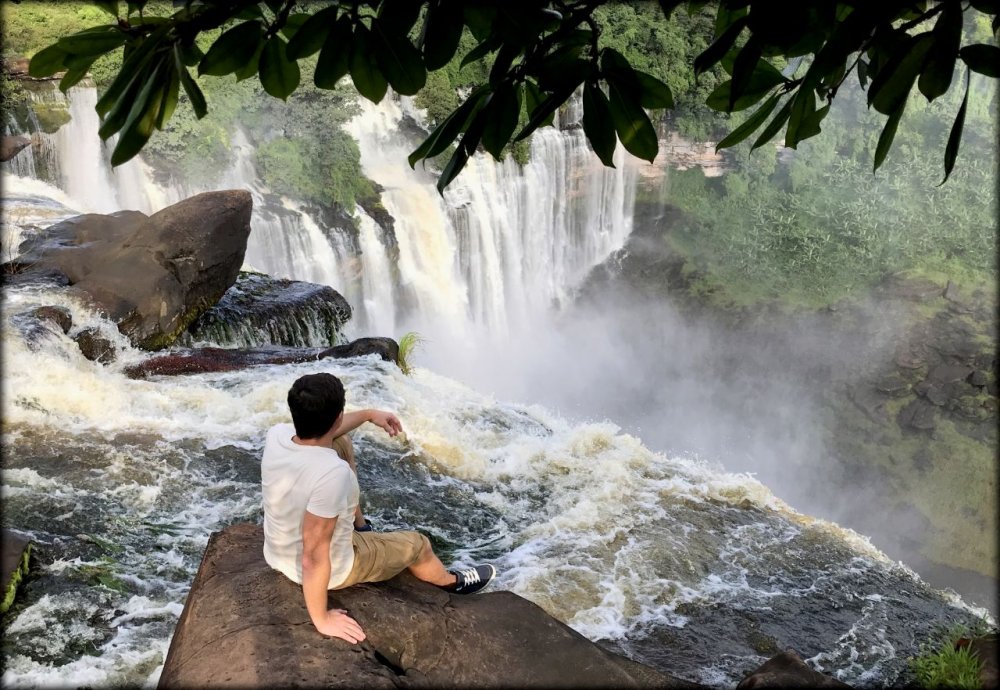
(10, 146)
(152, 275)
(245, 625)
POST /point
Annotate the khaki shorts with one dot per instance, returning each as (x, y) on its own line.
(381, 556)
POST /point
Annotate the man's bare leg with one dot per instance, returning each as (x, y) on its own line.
(345, 449)
(429, 568)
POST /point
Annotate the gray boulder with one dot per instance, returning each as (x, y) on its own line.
(14, 564)
(245, 625)
(151, 275)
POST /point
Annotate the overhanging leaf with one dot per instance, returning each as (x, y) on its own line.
(720, 46)
(47, 61)
(935, 79)
(398, 60)
(442, 32)
(597, 124)
(95, 41)
(631, 122)
(233, 49)
(445, 133)
(334, 59)
(955, 137)
(887, 135)
(653, 93)
(982, 58)
(504, 111)
(191, 88)
(774, 126)
(312, 34)
(365, 74)
(894, 80)
(750, 125)
(278, 75)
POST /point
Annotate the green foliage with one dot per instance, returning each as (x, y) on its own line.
(941, 665)
(539, 57)
(407, 345)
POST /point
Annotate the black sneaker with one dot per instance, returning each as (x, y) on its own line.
(473, 579)
(367, 528)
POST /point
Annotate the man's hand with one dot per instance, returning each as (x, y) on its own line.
(387, 421)
(337, 623)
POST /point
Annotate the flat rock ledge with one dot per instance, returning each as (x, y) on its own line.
(245, 625)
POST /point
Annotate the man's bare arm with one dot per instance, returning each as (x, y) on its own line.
(352, 420)
(316, 535)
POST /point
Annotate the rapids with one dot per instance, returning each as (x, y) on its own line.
(669, 559)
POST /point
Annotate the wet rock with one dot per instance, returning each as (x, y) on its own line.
(978, 379)
(909, 360)
(259, 310)
(974, 408)
(153, 276)
(200, 360)
(911, 289)
(869, 402)
(946, 373)
(59, 316)
(787, 670)
(922, 460)
(936, 395)
(386, 348)
(952, 293)
(918, 415)
(245, 625)
(893, 385)
(16, 551)
(10, 146)
(95, 346)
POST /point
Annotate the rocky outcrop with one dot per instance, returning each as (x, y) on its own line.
(153, 276)
(245, 625)
(987, 650)
(259, 310)
(16, 551)
(201, 360)
(12, 145)
(787, 670)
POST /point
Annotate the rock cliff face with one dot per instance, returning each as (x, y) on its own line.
(152, 275)
(245, 625)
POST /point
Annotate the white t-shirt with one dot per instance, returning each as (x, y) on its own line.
(296, 478)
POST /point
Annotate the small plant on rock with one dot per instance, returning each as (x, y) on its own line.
(407, 344)
(941, 664)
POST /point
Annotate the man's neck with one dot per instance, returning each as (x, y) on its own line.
(322, 441)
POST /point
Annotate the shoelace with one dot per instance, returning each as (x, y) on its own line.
(468, 577)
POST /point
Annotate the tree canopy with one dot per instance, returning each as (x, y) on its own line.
(788, 58)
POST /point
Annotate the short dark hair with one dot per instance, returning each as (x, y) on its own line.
(316, 400)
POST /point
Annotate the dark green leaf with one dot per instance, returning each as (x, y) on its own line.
(136, 5)
(668, 7)
(533, 98)
(133, 66)
(894, 80)
(95, 41)
(368, 80)
(334, 59)
(170, 93)
(982, 58)
(476, 126)
(250, 12)
(233, 49)
(863, 73)
(887, 135)
(398, 60)
(293, 24)
(725, 16)
(631, 122)
(774, 126)
(502, 62)
(597, 124)
(750, 125)
(803, 108)
(312, 34)
(542, 114)
(743, 69)
(451, 170)
(115, 118)
(252, 66)
(504, 111)
(935, 79)
(445, 133)
(720, 46)
(955, 137)
(653, 93)
(442, 32)
(75, 73)
(480, 19)
(141, 118)
(761, 82)
(47, 61)
(397, 17)
(278, 75)
(986, 6)
(191, 88)
(191, 54)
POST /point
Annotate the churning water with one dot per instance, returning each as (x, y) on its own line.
(696, 571)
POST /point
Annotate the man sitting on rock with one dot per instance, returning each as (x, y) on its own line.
(311, 510)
